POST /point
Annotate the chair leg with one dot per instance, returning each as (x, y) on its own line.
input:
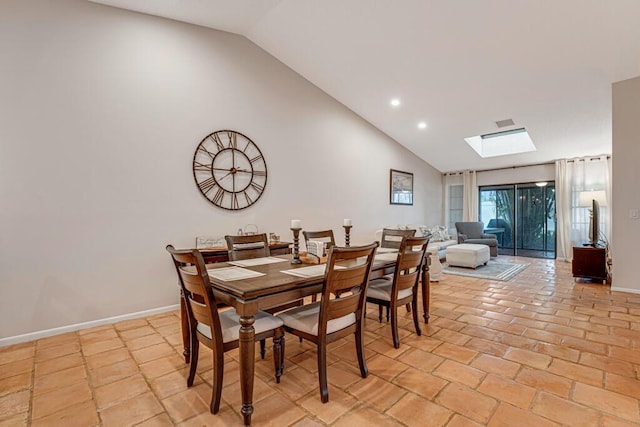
(416, 322)
(380, 313)
(278, 355)
(364, 371)
(193, 363)
(394, 326)
(262, 349)
(322, 373)
(387, 313)
(218, 374)
(408, 308)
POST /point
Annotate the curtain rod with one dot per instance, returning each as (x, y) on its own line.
(526, 166)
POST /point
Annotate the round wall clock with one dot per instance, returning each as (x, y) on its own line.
(229, 170)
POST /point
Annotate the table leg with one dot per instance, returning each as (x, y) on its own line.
(247, 345)
(426, 290)
(184, 323)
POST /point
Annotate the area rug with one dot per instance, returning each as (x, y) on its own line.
(494, 270)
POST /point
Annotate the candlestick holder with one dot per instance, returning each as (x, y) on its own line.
(347, 237)
(296, 246)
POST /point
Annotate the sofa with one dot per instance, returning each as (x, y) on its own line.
(439, 241)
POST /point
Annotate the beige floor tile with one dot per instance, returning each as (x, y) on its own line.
(153, 352)
(82, 414)
(58, 399)
(385, 367)
(17, 367)
(91, 348)
(340, 403)
(14, 404)
(506, 415)
(420, 383)
(188, 403)
(460, 421)
(607, 401)
(276, 411)
(507, 390)
(496, 365)
(457, 372)
(119, 391)
(365, 416)
(131, 411)
(564, 412)
(414, 410)
(59, 379)
(16, 353)
(577, 372)
(15, 383)
(58, 364)
(545, 381)
(467, 402)
(110, 373)
(455, 352)
(376, 392)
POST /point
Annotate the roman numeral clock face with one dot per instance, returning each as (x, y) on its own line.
(229, 170)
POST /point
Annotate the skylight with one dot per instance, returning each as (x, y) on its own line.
(502, 143)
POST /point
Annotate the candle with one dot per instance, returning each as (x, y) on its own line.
(296, 223)
(347, 222)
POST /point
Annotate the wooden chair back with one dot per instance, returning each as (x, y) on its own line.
(247, 247)
(325, 236)
(392, 238)
(346, 275)
(196, 287)
(411, 256)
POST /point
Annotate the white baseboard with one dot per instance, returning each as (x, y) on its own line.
(629, 290)
(71, 328)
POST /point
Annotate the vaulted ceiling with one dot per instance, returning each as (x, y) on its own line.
(457, 65)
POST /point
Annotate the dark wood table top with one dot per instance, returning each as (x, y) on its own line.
(275, 281)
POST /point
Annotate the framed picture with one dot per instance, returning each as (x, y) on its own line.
(401, 185)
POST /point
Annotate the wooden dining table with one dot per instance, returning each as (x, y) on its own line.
(272, 288)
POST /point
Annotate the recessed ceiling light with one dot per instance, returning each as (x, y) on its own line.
(395, 102)
(422, 125)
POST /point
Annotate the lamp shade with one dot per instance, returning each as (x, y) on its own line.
(585, 198)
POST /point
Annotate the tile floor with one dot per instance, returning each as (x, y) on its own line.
(539, 350)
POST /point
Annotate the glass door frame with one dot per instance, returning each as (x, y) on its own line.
(514, 232)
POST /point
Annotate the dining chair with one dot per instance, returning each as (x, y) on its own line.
(403, 289)
(246, 247)
(324, 236)
(218, 330)
(347, 274)
(391, 238)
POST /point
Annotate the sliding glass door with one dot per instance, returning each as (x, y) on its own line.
(522, 216)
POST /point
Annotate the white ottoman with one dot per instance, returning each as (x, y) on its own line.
(467, 255)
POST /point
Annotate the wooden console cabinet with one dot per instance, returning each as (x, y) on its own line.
(590, 262)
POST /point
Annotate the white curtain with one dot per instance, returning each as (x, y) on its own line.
(470, 201)
(573, 177)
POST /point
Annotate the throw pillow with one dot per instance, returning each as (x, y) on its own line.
(439, 233)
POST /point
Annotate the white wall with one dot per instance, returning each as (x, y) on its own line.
(626, 176)
(100, 114)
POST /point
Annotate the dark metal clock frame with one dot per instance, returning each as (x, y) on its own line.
(230, 170)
